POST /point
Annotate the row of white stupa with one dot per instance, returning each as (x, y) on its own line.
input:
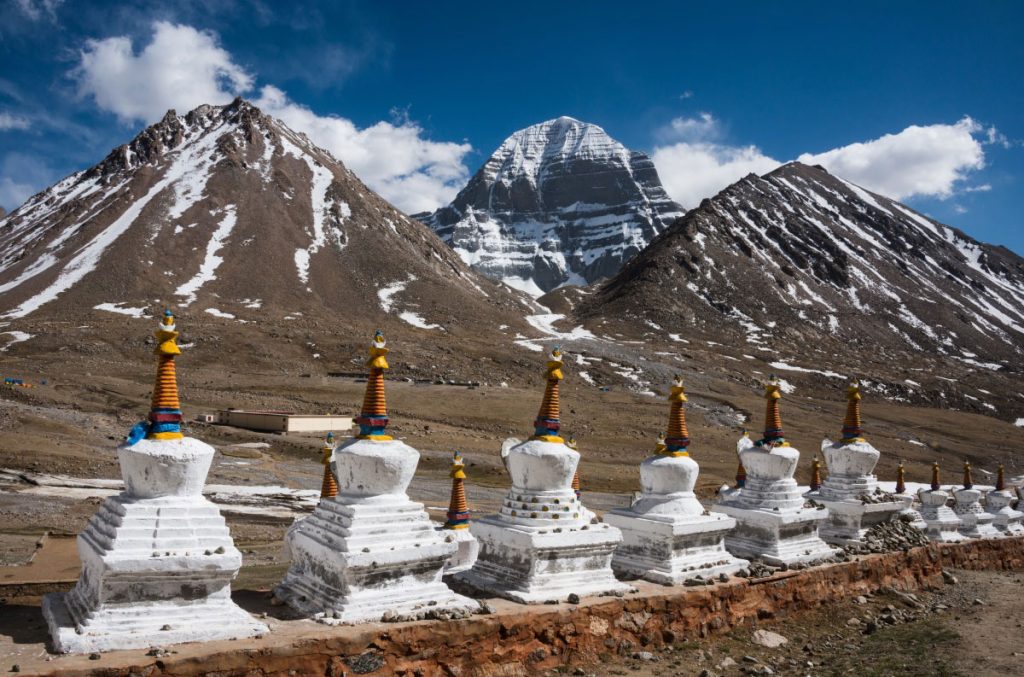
(157, 560)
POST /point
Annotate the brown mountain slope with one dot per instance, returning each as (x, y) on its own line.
(253, 235)
(802, 269)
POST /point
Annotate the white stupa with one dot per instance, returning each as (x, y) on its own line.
(909, 514)
(850, 493)
(772, 522)
(999, 502)
(943, 523)
(667, 535)
(157, 559)
(975, 522)
(370, 553)
(543, 544)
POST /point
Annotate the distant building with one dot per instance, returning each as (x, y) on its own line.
(279, 421)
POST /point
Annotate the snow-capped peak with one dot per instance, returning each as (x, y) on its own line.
(559, 202)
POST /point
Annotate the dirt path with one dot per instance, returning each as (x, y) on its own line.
(971, 628)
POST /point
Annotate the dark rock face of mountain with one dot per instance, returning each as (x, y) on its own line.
(804, 266)
(559, 202)
(227, 215)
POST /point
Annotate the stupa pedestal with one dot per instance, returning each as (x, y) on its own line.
(974, 521)
(850, 492)
(909, 513)
(543, 544)
(772, 522)
(1006, 519)
(667, 535)
(370, 553)
(943, 525)
(1000, 503)
(157, 559)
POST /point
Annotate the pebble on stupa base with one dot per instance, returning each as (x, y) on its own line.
(157, 559)
(999, 502)
(851, 462)
(667, 536)
(943, 523)
(975, 522)
(543, 545)
(370, 553)
(772, 523)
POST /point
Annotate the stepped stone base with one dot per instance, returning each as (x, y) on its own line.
(943, 525)
(1007, 520)
(468, 550)
(784, 537)
(974, 521)
(531, 565)
(849, 520)
(671, 549)
(361, 559)
(979, 525)
(155, 571)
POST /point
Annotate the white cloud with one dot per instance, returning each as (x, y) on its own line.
(413, 173)
(920, 160)
(701, 128)
(930, 160)
(34, 9)
(8, 121)
(180, 68)
(694, 171)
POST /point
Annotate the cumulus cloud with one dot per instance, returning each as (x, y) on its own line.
(703, 127)
(412, 172)
(919, 161)
(180, 68)
(8, 121)
(931, 160)
(183, 67)
(694, 171)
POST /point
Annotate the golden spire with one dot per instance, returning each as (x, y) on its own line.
(458, 508)
(677, 437)
(968, 480)
(547, 424)
(1001, 478)
(935, 476)
(901, 484)
(852, 429)
(773, 436)
(165, 409)
(815, 474)
(329, 487)
(374, 416)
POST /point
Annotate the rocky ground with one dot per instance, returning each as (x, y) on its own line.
(970, 627)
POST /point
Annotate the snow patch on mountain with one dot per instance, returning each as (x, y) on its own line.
(208, 269)
(120, 309)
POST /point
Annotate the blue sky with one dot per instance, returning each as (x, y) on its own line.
(918, 100)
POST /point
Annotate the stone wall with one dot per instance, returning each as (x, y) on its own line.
(519, 639)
